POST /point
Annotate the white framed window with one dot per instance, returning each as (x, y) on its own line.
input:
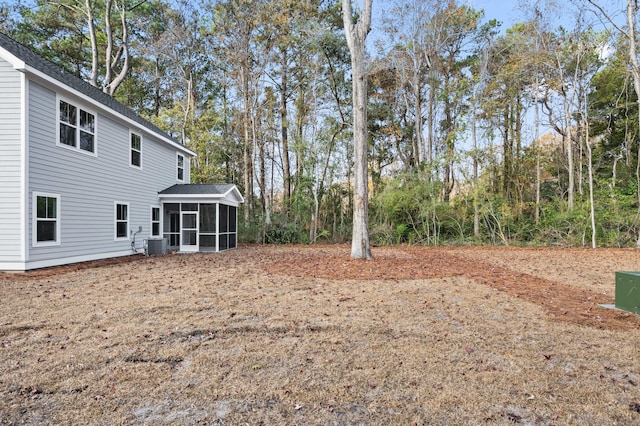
(46, 219)
(135, 151)
(121, 216)
(76, 128)
(180, 164)
(155, 221)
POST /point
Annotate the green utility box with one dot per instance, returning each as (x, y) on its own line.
(628, 291)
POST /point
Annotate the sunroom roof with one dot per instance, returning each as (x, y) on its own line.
(199, 189)
(202, 191)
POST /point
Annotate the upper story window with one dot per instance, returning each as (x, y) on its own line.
(180, 167)
(136, 150)
(77, 128)
(46, 219)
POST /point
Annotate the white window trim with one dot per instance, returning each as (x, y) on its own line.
(115, 221)
(95, 129)
(34, 220)
(151, 221)
(184, 167)
(131, 150)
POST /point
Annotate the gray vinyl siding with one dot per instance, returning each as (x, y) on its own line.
(10, 164)
(89, 185)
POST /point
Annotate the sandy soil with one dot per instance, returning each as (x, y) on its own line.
(306, 335)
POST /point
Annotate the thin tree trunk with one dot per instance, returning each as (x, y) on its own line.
(418, 143)
(590, 171)
(430, 123)
(517, 160)
(476, 186)
(248, 163)
(301, 112)
(108, 75)
(187, 110)
(538, 149)
(569, 147)
(507, 149)
(123, 51)
(263, 171)
(284, 128)
(93, 80)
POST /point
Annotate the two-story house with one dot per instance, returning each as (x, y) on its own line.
(82, 177)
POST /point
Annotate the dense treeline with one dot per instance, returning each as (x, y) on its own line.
(477, 133)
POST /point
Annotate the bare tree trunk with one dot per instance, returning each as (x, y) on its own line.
(187, 110)
(356, 39)
(476, 186)
(315, 213)
(569, 147)
(430, 124)
(93, 80)
(111, 82)
(248, 163)
(284, 125)
(418, 146)
(538, 149)
(590, 171)
(270, 195)
(262, 179)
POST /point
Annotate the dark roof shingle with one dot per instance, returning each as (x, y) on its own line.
(198, 189)
(52, 70)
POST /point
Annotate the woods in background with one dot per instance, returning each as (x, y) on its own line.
(478, 134)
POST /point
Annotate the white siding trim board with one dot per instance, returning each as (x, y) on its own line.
(12, 162)
(26, 266)
(24, 166)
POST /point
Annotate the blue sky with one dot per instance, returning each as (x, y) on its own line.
(504, 10)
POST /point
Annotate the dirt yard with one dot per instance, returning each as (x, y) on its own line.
(298, 335)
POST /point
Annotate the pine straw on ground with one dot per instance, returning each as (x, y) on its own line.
(305, 335)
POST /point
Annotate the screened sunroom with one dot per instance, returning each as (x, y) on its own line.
(200, 217)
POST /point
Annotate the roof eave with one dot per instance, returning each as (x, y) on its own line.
(15, 62)
(98, 105)
(190, 196)
(199, 198)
